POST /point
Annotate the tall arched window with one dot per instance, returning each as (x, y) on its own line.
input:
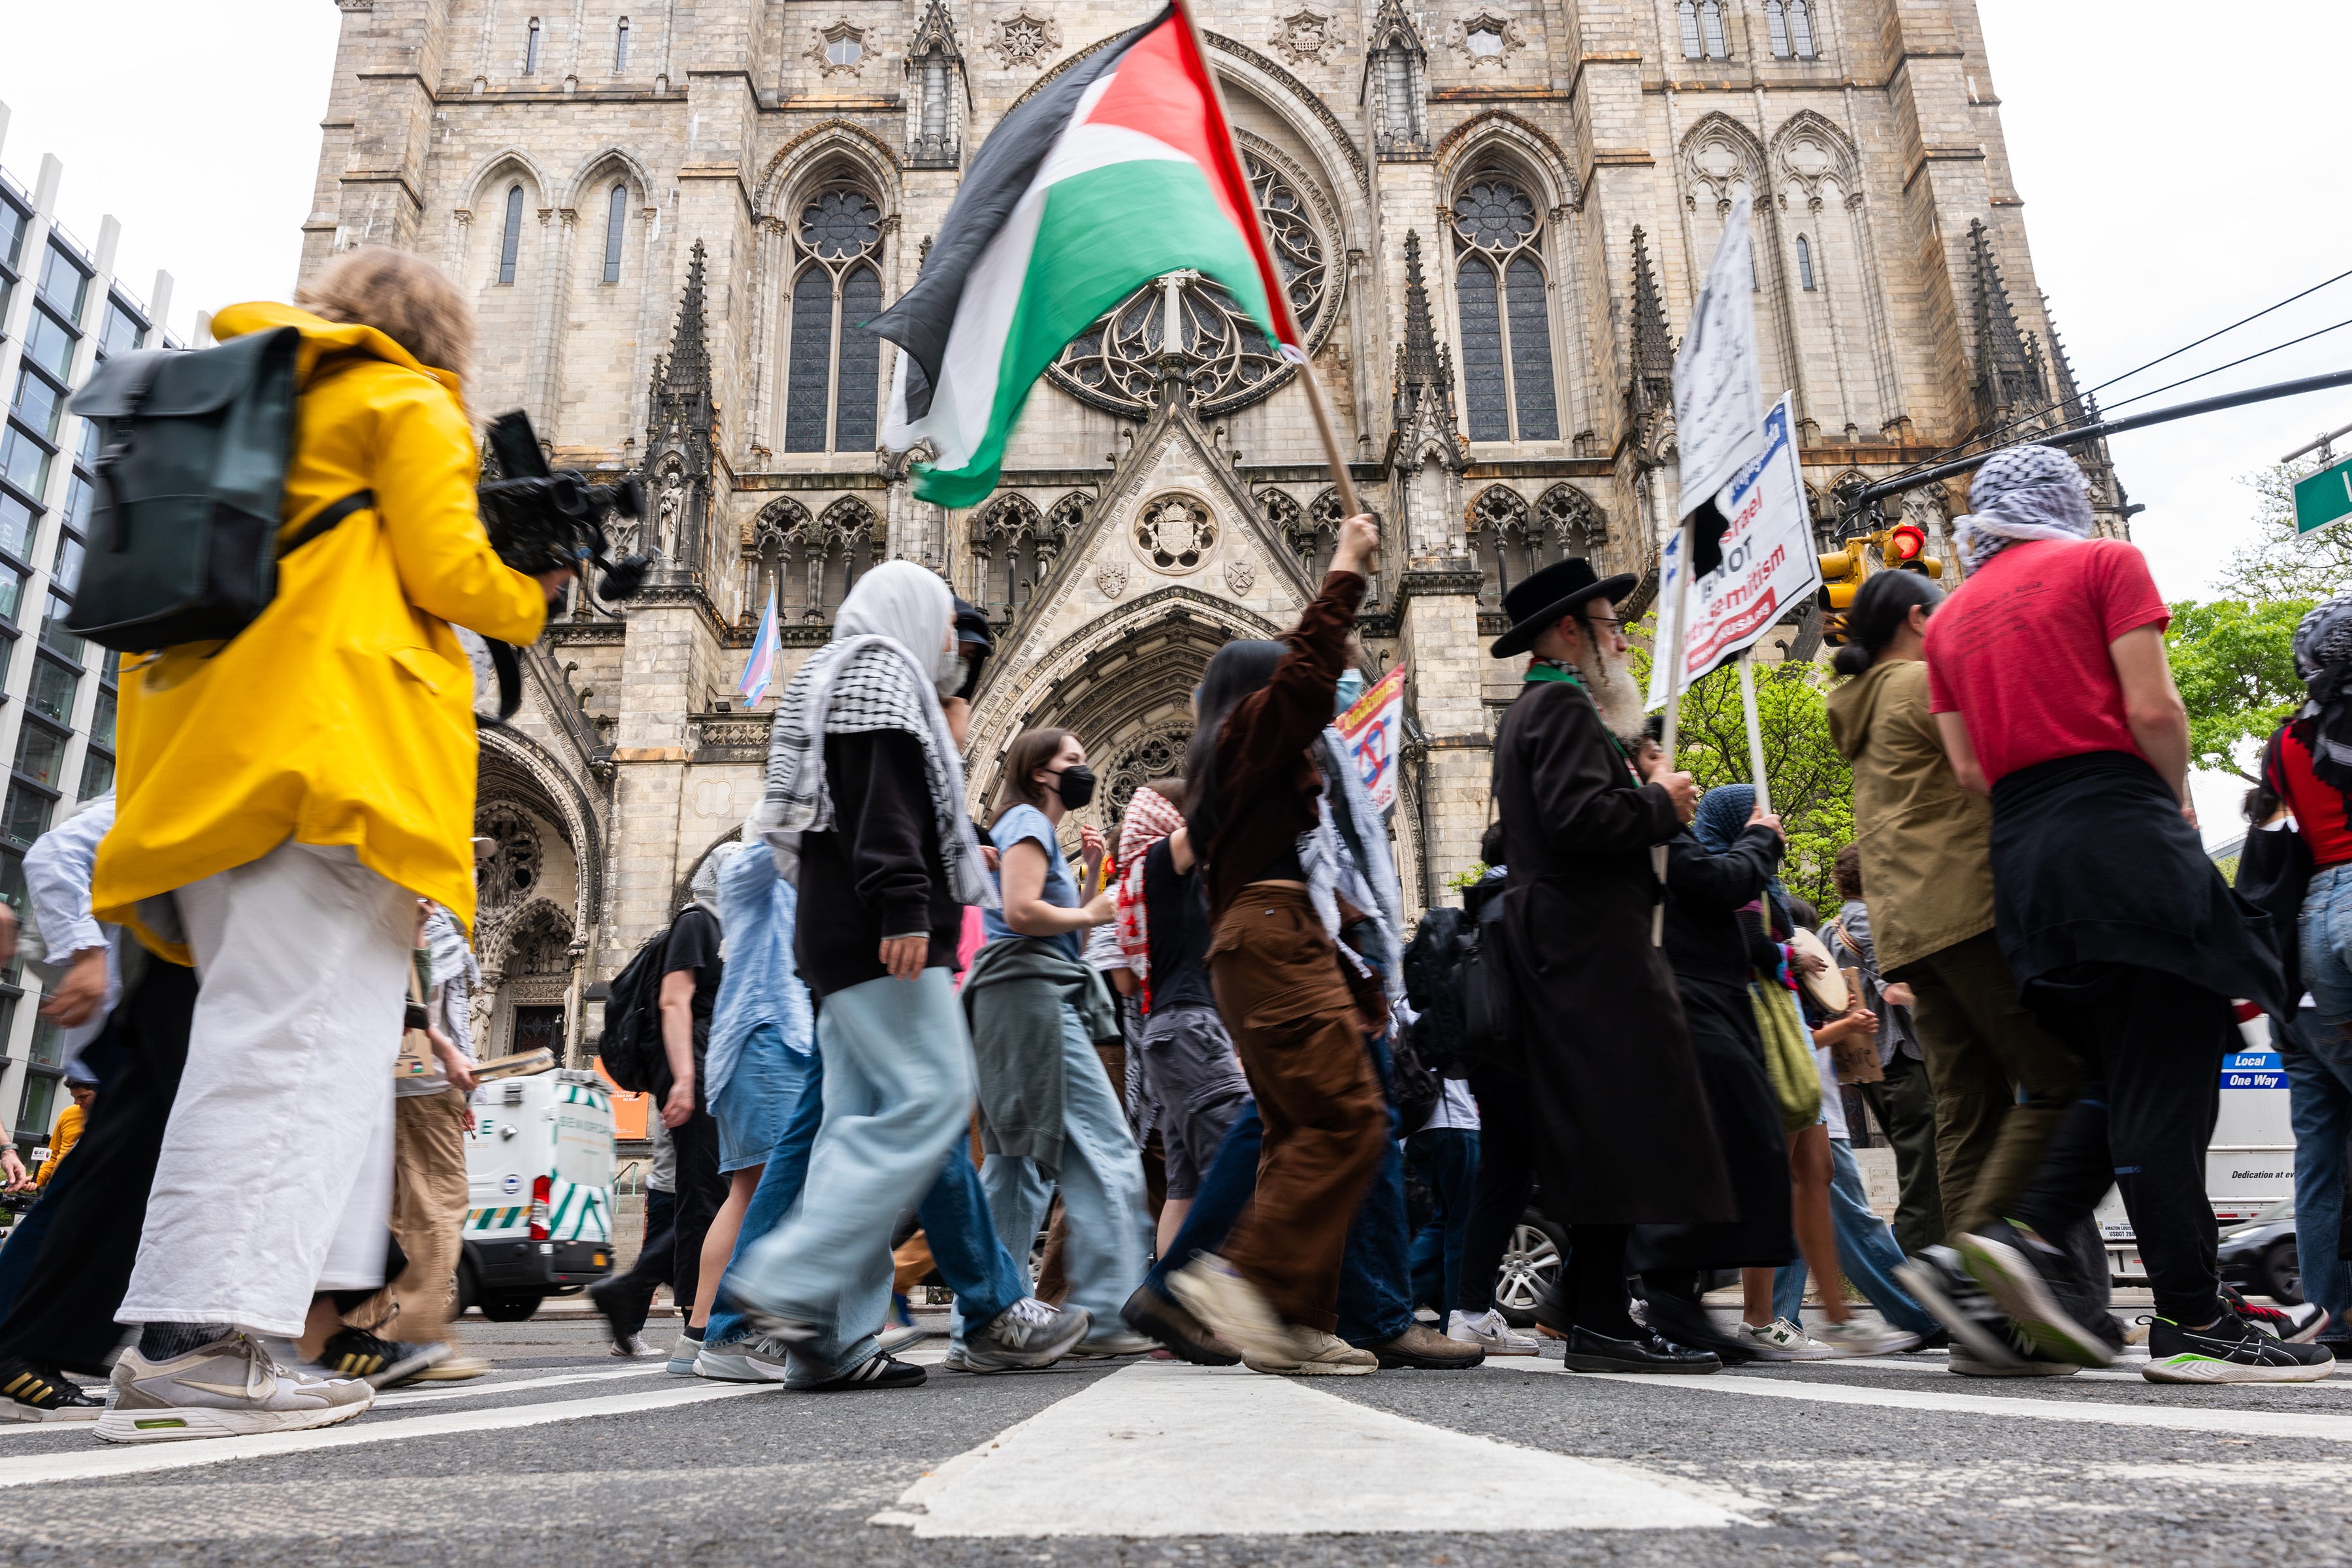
(1701, 29)
(1791, 26)
(621, 47)
(1506, 368)
(510, 241)
(1805, 262)
(833, 381)
(616, 220)
(530, 48)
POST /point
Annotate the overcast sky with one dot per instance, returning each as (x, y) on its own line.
(2168, 176)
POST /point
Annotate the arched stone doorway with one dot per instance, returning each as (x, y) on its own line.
(525, 931)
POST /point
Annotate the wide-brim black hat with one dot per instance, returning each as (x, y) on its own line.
(1556, 591)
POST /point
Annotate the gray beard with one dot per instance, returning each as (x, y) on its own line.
(1614, 692)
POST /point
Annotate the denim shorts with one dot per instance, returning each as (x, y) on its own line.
(2325, 933)
(757, 1102)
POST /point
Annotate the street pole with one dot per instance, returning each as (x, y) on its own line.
(1755, 729)
(1672, 729)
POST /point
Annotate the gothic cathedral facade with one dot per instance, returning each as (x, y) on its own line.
(675, 215)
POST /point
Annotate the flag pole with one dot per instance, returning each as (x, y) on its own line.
(1755, 729)
(1333, 455)
(1672, 729)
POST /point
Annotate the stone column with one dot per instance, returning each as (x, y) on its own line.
(1437, 634)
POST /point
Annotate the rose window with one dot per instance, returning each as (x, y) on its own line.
(1175, 535)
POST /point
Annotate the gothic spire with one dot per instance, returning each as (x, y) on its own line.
(689, 355)
(1417, 362)
(1423, 417)
(1653, 387)
(681, 421)
(2007, 382)
(2076, 408)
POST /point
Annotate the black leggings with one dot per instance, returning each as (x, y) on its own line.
(1507, 1179)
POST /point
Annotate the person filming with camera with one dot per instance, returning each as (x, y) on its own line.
(284, 798)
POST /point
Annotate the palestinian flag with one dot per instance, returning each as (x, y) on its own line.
(1121, 169)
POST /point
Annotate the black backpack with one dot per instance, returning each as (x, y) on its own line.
(1433, 983)
(189, 485)
(631, 1048)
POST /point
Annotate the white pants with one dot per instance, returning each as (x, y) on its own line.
(276, 1175)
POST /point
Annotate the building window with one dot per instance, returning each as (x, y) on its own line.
(1702, 26)
(833, 380)
(1805, 263)
(49, 342)
(616, 219)
(122, 331)
(843, 52)
(1800, 29)
(621, 47)
(1506, 365)
(531, 50)
(63, 283)
(511, 241)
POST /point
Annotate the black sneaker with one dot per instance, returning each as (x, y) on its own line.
(2020, 1357)
(2299, 1324)
(384, 1363)
(2230, 1351)
(880, 1370)
(37, 1392)
(2017, 1268)
(1687, 1323)
(1150, 1313)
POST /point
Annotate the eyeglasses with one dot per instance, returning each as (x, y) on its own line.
(1600, 622)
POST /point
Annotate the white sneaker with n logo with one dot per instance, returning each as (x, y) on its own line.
(229, 1388)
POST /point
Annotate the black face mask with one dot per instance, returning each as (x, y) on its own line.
(1075, 785)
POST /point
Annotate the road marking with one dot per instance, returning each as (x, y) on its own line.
(86, 1464)
(1161, 1448)
(2176, 1417)
(426, 1396)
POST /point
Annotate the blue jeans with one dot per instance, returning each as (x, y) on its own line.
(2319, 1089)
(1446, 1159)
(898, 1089)
(1108, 1234)
(1375, 1271)
(1867, 1253)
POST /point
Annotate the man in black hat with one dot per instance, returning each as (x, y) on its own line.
(1626, 1138)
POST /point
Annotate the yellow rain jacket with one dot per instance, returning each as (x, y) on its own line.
(344, 714)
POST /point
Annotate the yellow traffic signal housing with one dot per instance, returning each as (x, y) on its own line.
(1843, 574)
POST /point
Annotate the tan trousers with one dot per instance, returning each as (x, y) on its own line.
(429, 1211)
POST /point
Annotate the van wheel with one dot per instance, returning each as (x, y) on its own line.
(510, 1309)
(463, 1292)
(2281, 1274)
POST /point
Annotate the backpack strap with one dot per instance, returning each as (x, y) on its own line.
(324, 520)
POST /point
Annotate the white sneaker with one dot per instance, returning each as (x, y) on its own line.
(682, 1352)
(1863, 1337)
(635, 1349)
(1114, 1341)
(230, 1388)
(1490, 1333)
(1780, 1339)
(1314, 1354)
(742, 1361)
(1024, 1336)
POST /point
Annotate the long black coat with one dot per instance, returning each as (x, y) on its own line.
(1627, 1135)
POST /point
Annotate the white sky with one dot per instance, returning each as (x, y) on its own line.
(2167, 175)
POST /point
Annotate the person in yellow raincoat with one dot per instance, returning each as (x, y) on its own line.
(283, 799)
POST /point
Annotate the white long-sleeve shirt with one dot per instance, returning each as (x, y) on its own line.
(58, 870)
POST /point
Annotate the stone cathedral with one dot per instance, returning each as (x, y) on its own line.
(674, 216)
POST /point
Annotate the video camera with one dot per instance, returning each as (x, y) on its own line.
(540, 518)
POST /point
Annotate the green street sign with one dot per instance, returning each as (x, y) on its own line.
(2323, 499)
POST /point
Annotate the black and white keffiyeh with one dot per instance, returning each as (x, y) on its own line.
(2322, 657)
(2023, 493)
(1346, 856)
(872, 677)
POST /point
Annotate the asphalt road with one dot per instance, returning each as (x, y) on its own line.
(568, 1457)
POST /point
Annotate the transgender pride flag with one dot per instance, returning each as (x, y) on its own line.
(761, 668)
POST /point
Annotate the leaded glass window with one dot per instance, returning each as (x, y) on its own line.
(620, 48)
(1710, 23)
(530, 48)
(616, 221)
(832, 374)
(1776, 22)
(510, 240)
(1509, 392)
(1805, 262)
(1692, 47)
(1800, 29)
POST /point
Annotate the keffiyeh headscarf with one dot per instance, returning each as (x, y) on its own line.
(1150, 817)
(2024, 493)
(878, 673)
(2322, 657)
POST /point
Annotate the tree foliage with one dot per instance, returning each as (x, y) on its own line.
(2234, 663)
(2282, 564)
(1811, 785)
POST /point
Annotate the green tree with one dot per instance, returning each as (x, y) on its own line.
(2234, 663)
(1811, 785)
(2282, 564)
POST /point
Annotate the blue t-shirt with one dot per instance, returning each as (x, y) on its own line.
(1026, 823)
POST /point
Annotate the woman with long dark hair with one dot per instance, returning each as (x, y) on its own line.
(1297, 1002)
(1048, 1117)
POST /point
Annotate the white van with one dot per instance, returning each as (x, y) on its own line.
(2249, 1166)
(538, 1177)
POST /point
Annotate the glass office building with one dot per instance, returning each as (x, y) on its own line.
(62, 312)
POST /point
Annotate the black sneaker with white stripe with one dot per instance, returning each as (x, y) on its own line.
(880, 1370)
(2301, 1323)
(2229, 1351)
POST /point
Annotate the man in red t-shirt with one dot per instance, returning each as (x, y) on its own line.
(2047, 675)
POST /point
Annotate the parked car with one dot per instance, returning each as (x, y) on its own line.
(2258, 1254)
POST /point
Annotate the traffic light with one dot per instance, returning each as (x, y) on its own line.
(1904, 550)
(1842, 577)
